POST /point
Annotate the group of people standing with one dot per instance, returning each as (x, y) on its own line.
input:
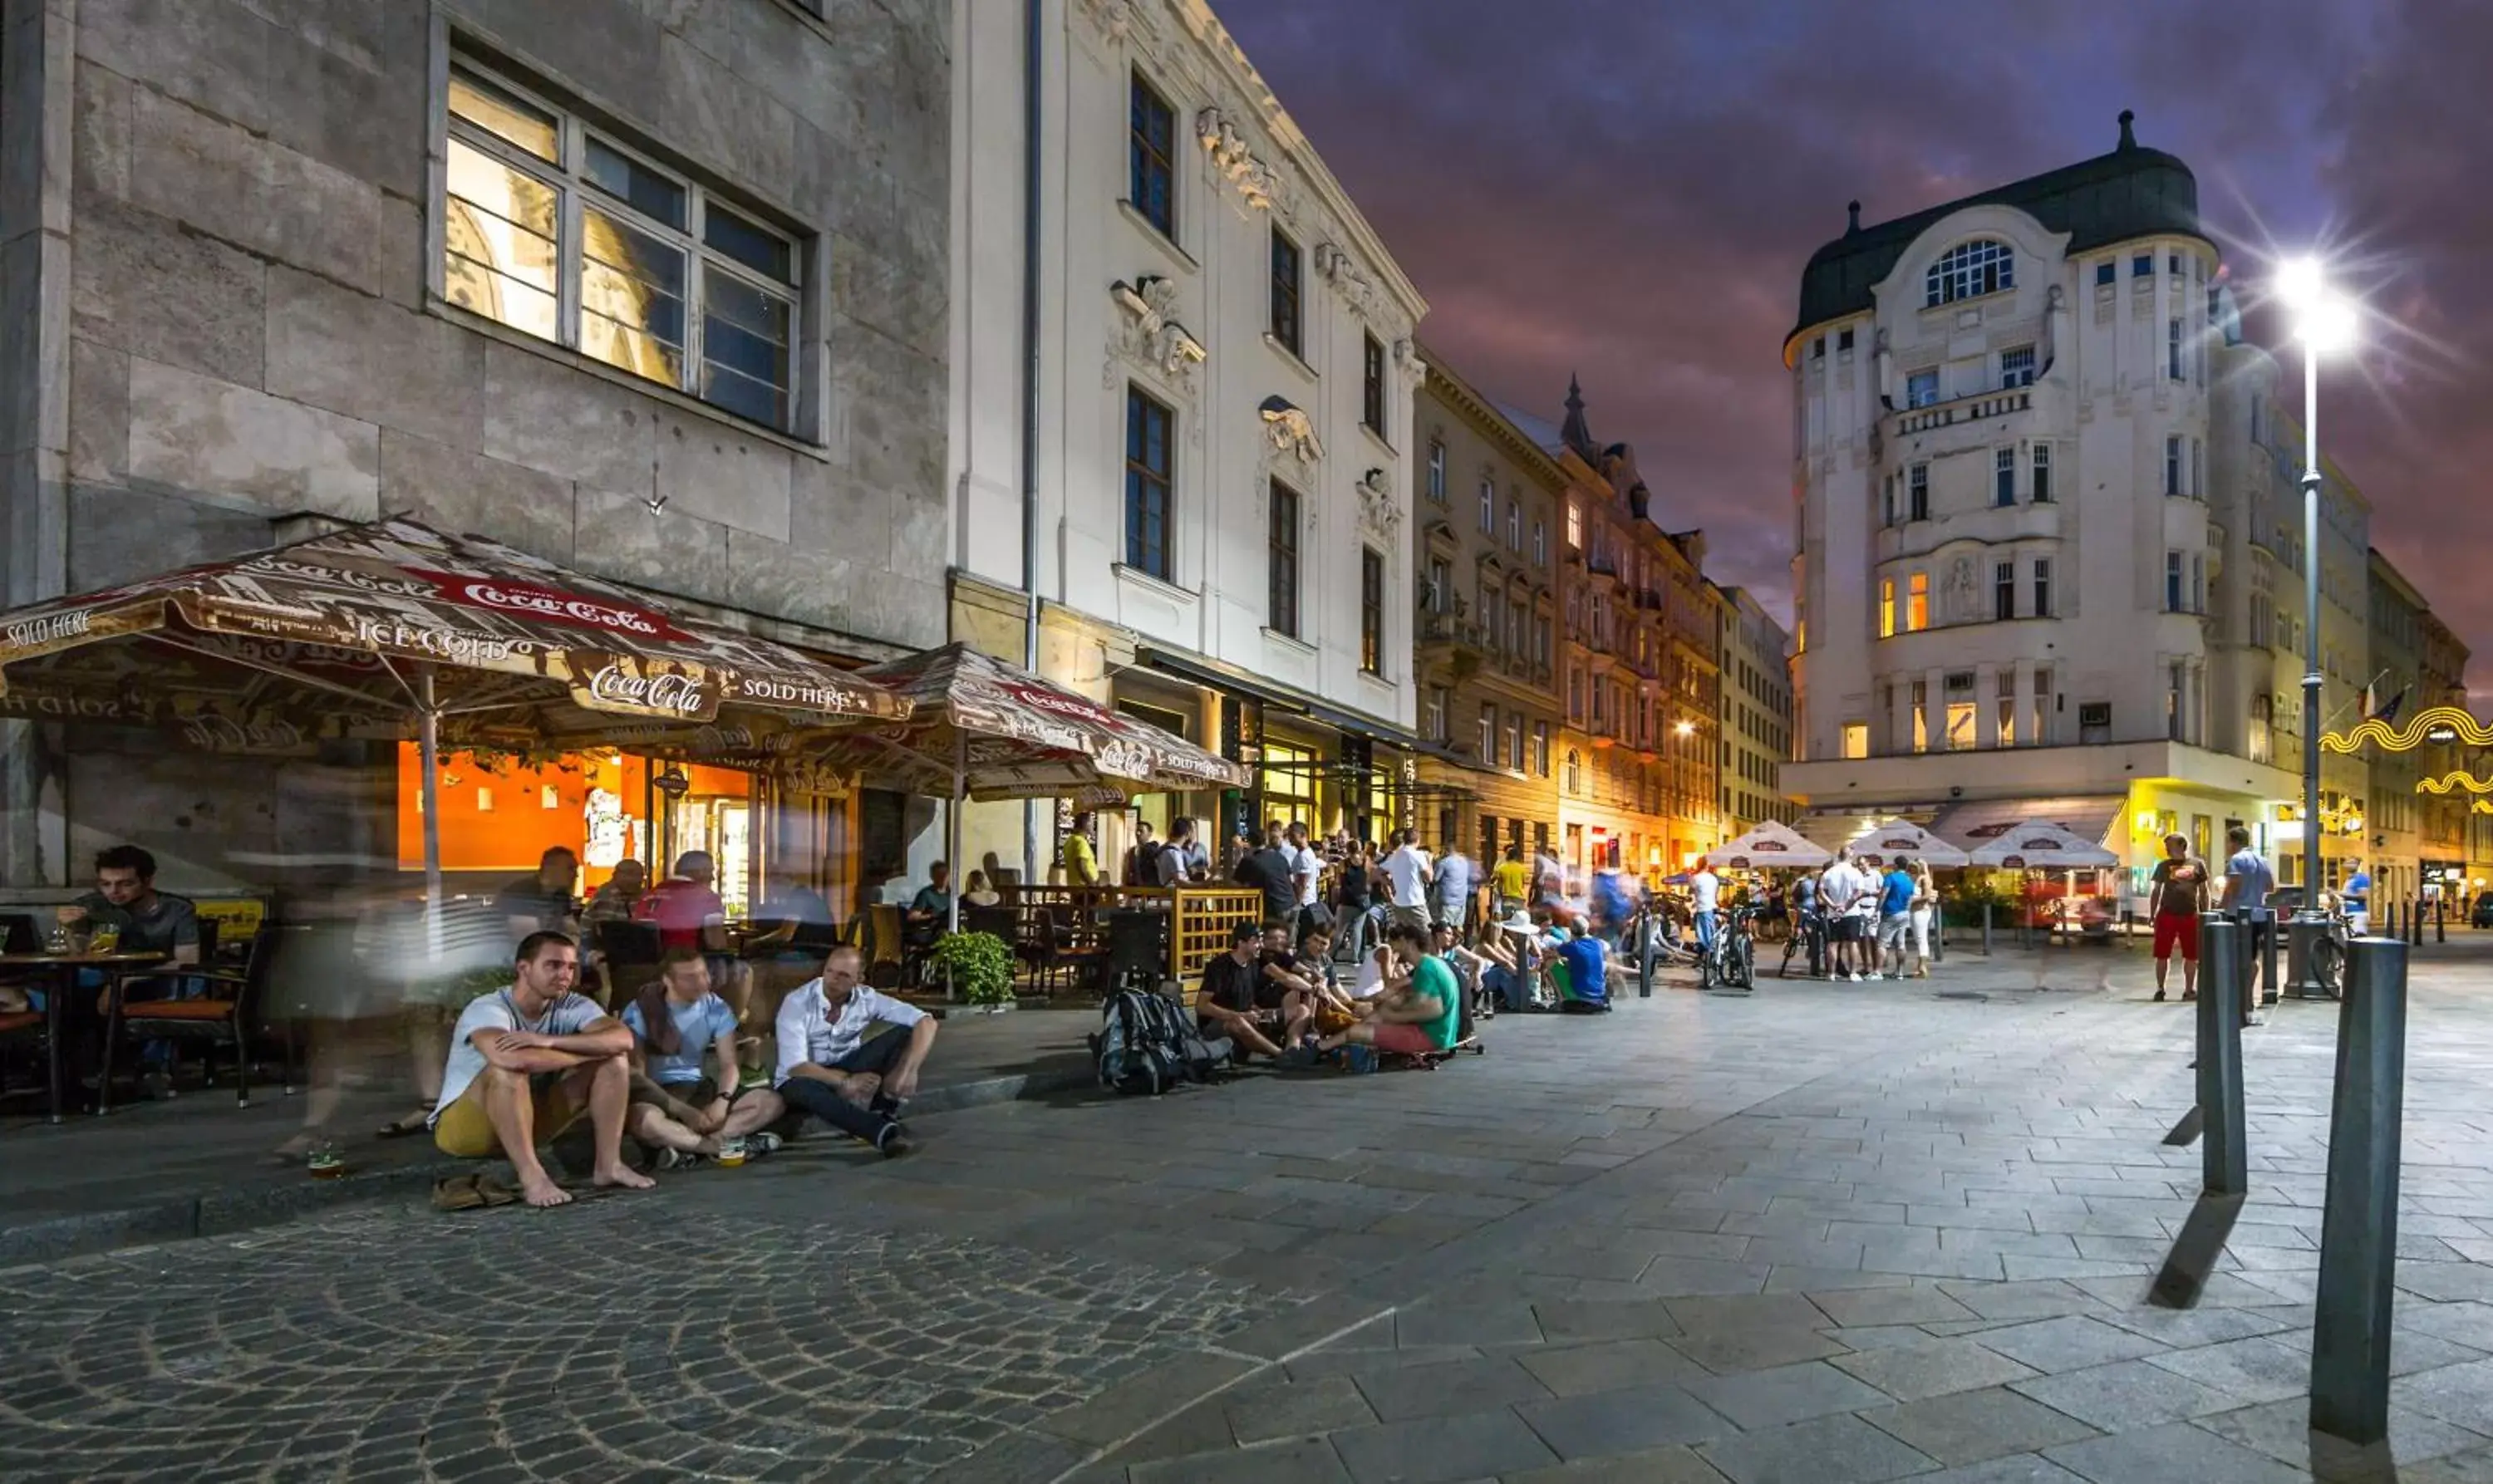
(1873, 922)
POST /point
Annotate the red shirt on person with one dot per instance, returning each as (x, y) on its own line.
(680, 909)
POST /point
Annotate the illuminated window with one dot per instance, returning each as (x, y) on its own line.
(1921, 703)
(1960, 726)
(1968, 270)
(1918, 603)
(1887, 608)
(2041, 732)
(1371, 611)
(663, 281)
(1575, 526)
(1856, 739)
(2004, 729)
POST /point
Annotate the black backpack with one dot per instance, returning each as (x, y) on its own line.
(1146, 1043)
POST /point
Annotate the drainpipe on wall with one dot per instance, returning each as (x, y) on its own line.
(1033, 13)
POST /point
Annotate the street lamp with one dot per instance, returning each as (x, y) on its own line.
(2324, 322)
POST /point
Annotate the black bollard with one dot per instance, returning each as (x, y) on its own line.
(2270, 942)
(2224, 1164)
(1644, 956)
(1986, 930)
(2441, 920)
(2358, 1228)
(2415, 923)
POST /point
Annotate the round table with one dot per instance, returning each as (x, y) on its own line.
(62, 970)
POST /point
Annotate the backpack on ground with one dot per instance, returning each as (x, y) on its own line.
(1146, 1045)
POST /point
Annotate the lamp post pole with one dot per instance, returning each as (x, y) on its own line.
(2309, 916)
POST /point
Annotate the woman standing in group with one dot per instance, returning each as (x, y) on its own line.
(1924, 909)
(1350, 899)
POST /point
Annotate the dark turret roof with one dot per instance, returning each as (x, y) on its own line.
(2132, 192)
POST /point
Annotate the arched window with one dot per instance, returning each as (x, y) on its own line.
(1968, 270)
(1575, 771)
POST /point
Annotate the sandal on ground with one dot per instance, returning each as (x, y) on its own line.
(412, 1123)
(457, 1193)
(494, 1192)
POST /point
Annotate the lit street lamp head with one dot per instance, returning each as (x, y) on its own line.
(2323, 319)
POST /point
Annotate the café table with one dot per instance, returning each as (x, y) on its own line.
(60, 969)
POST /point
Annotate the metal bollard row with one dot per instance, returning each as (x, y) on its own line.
(2359, 1230)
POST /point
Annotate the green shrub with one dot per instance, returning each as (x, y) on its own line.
(979, 966)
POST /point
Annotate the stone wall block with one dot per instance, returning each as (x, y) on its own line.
(98, 413)
(213, 55)
(349, 352)
(190, 434)
(461, 491)
(102, 142)
(723, 123)
(769, 577)
(143, 285)
(250, 191)
(920, 531)
(543, 414)
(708, 470)
(606, 50)
(370, 124)
(776, 53)
(119, 536)
(892, 293)
(617, 537)
(836, 514)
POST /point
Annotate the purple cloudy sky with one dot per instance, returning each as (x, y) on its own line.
(1628, 188)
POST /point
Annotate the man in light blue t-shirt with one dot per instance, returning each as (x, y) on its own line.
(678, 1111)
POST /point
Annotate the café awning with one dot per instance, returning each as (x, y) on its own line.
(360, 631)
(1769, 845)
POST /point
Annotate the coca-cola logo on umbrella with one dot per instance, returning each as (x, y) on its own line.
(2045, 844)
(1899, 845)
(527, 600)
(1770, 844)
(1058, 703)
(617, 688)
(2014, 863)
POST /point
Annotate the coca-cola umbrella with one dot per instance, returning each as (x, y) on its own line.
(392, 629)
(980, 728)
(1890, 838)
(1769, 845)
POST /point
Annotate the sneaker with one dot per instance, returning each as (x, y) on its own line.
(2187, 995)
(1856, 976)
(756, 1145)
(1831, 977)
(894, 1141)
(158, 1085)
(677, 1158)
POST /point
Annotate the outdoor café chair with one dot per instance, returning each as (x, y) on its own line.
(222, 1018)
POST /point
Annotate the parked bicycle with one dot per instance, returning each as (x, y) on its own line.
(1808, 937)
(1733, 963)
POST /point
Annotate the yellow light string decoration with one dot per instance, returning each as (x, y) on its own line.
(2375, 732)
(2455, 780)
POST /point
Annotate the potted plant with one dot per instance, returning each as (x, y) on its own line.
(979, 967)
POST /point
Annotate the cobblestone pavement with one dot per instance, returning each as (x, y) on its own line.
(1830, 1232)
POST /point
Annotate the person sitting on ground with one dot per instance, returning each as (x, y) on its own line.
(979, 893)
(527, 1061)
(1312, 1001)
(1897, 890)
(1419, 1016)
(1232, 988)
(689, 914)
(1582, 971)
(1507, 962)
(677, 1109)
(828, 1065)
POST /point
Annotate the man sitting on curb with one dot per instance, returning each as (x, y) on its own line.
(525, 1061)
(1415, 1019)
(679, 1111)
(829, 1069)
(1313, 1000)
(1232, 987)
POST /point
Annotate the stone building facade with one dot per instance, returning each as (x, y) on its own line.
(1757, 706)
(1181, 471)
(656, 292)
(1489, 503)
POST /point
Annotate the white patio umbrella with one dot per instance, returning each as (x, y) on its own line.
(1888, 839)
(1769, 846)
(2041, 847)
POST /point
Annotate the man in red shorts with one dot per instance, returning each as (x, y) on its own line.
(2174, 901)
(1419, 1016)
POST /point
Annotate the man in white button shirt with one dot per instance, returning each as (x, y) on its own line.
(1410, 870)
(829, 1069)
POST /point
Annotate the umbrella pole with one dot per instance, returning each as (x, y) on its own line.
(428, 742)
(952, 829)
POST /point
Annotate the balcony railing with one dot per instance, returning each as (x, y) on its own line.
(1447, 629)
(1979, 408)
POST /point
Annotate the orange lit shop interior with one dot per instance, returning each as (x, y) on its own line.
(499, 816)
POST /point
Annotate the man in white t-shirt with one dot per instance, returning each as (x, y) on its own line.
(1704, 891)
(1410, 870)
(527, 1061)
(828, 1068)
(1843, 891)
(1306, 874)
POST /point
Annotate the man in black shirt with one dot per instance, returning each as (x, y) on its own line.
(543, 903)
(1270, 870)
(1232, 985)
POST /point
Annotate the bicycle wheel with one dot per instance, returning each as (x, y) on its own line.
(2327, 964)
(1704, 969)
(1744, 965)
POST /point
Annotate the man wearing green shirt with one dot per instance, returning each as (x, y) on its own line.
(1421, 1017)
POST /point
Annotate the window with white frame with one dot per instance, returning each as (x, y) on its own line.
(1488, 505)
(1968, 270)
(1922, 388)
(564, 232)
(1540, 543)
(2173, 592)
(1437, 472)
(1918, 484)
(2017, 367)
(2042, 460)
(2172, 465)
(2004, 477)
